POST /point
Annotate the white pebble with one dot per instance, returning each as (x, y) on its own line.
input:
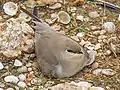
(82, 83)
(22, 84)
(109, 27)
(1, 89)
(22, 77)
(97, 71)
(108, 52)
(55, 6)
(9, 89)
(93, 14)
(17, 63)
(22, 69)
(80, 17)
(29, 69)
(11, 79)
(108, 72)
(97, 46)
(1, 66)
(81, 34)
(96, 88)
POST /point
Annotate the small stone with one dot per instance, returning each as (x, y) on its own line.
(97, 46)
(108, 72)
(96, 88)
(55, 6)
(49, 21)
(109, 27)
(108, 52)
(94, 28)
(81, 34)
(17, 63)
(80, 17)
(82, 84)
(54, 16)
(1, 66)
(96, 32)
(1, 89)
(22, 84)
(93, 14)
(29, 69)
(28, 64)
(11, 79)
(97, 71)
(22, 69)
(9, 89)
(22, 77)
(35, 81)
(73, 9)
(1, 19)
(75, 38)
(94, 65)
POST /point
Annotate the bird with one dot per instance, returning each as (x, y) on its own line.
(57, 55)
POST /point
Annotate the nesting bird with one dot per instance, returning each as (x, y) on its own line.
(58, 55)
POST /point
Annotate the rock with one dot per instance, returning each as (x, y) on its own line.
(97, 71)
(22, 69)
(54, 16)
(108, 72)
(55, 6)
(26, 17)
(22, 77)
(29, 69)
(94, 65)
(49, 21)
(17, 63)
(82, 84)
(10, 89)
(72, 9)
(63, 17)
(102, 32)
(108, 52)
(11, 79)
(109, 27)
(1, 89)
(28, 64)
(1, 66)
(81, 34)
(97, 46)
(80, 17)
(93, 28)
(96, 88)
(93, 14)
(22, 84)
(75, 38)
(67, 86)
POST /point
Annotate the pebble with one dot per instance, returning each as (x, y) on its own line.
(1, 66)
(82, 83)
(97, 46)
(22, 84)
(75, 38)
(73, 9)
(93, 14)
(80, 17)
(108, 52)
(96, 88)
(56, 27)
(109, 27)
(17, 63)
(55, 6)
(29, 69)
(22, 77)
(9, 89)
(81, 34)
(28, 64)
(1, 89)
(54, 16)
(102, 32)
(97, 71)
(94, 65)
(34, 81)
(11, 79)
(49, 21)
(108, 72)
(22, 69)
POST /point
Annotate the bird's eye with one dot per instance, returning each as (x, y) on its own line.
(77, 52)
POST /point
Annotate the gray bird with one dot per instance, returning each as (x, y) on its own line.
(58, 55)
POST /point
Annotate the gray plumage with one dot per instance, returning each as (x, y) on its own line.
(58, 55)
